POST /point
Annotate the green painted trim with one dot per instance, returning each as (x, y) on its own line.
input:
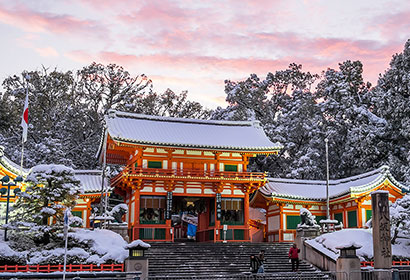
(339, 217)
(369, 214)
(230, 167)
(352, 219)
(154, 164)
(292, 221)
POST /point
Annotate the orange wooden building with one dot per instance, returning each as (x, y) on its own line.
(350, 201)
(175, 168)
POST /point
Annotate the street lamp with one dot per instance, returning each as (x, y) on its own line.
(327, 180)
(5, 181)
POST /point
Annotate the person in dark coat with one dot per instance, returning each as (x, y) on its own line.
(294, 257)
(254, 264)
(262, 260)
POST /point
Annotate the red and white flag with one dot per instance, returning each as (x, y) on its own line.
(24, 119)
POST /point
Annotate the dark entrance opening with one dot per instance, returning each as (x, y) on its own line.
(186, 213)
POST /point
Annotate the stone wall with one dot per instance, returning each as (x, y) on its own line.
(318, 259)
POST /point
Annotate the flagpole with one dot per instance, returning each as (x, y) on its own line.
(104, 154)
(66, 214)
(22, 155)
(25, 128)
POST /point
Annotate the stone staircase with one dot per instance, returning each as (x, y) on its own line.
(213, 260)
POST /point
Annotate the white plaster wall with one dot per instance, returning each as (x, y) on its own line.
(132, 210)
(273, 223)
(288, 237)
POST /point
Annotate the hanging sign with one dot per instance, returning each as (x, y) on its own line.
(218, 206)
(169, 206)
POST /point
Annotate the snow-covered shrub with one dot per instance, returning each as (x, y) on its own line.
(8, 256)
(75, 221)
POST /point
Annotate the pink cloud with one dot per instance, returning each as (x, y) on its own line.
(33, 21)
(392, 25)
(47, 51)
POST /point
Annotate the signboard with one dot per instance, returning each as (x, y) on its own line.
(169, 206)
(218, 206)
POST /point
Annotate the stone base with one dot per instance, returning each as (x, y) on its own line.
(302, 234)
(121, 229)
(382, 274)
(348, 268)
(132, 265)
(307, 232)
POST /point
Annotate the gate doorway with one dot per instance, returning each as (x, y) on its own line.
(187, 213)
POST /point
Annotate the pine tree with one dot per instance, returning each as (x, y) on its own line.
(38, 211)
(352, 129)
(391, 100)
(400, 218)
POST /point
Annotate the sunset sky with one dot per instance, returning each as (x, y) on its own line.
(196, 45)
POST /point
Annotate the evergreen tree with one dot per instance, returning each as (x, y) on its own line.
(66, 111)
(298, 128)
(353, 131)
(391, 100)
(400, 218)
(38, 211)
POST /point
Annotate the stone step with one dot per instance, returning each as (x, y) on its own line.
(210, 259)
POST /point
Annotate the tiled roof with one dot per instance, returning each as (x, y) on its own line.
(188, 133)
(90, 180)
(11, 166)
(316, 190)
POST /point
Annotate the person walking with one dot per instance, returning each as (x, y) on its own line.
(262, 260)
(294, 257)
(254, 264)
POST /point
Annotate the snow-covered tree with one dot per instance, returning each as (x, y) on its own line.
(354, 132)
(49, 105)
(66, 111)
(400, 218)
(39, 210)
(298, 128)
(391, 100)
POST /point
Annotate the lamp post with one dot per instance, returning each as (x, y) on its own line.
(327, 181)
(5, 181)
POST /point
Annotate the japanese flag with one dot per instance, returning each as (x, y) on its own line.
(24, 119)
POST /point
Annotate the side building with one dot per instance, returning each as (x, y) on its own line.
(179, 170)
(349, 200)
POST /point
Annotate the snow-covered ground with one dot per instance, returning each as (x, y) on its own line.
(328, 242)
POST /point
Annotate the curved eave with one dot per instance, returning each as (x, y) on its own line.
(261, 150)
(11, 169)
(91, 195)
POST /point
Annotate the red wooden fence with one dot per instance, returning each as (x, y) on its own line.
(393, 263)
(59, 267)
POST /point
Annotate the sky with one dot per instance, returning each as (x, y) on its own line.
(197, 45)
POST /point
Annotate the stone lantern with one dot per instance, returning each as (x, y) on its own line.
(348, 262)
(137, 261)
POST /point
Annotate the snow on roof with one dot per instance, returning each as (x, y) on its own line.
(316, 190)
(188, 133)
(137, 243)
(90, 180)
(11, 166)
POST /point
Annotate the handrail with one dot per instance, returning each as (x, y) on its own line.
(59, 267)
(398, 263)
(159, 172)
